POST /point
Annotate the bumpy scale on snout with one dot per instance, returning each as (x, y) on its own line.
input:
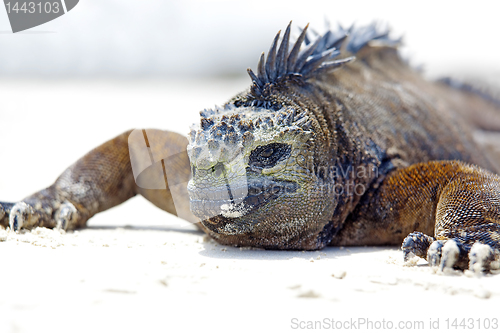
(251, 183)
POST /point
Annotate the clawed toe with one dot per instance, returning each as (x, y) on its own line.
(454, 254)
(416, 244)
(481, 257)
(66, 216)
(20, 216)
(434, 253)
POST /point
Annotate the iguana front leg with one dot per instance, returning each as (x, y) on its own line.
(458, 204)
(101, 179)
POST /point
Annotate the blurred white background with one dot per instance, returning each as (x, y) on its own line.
(162, 38)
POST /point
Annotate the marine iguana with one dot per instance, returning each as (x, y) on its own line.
(338, 141)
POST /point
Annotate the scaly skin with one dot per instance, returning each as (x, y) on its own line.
(307, 157)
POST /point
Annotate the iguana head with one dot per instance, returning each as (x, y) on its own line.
(252, 184)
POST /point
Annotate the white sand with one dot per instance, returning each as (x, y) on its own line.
(135, 272)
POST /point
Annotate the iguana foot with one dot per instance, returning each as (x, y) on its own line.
(47, 208)
(59, 215)
(450, 253)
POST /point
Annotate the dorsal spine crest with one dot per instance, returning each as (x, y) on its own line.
(317, 56)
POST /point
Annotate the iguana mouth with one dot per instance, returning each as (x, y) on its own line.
(258, 194)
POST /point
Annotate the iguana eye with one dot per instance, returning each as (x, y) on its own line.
(269, 155)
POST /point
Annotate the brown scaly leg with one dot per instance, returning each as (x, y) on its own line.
(101, 179)
(457, 203)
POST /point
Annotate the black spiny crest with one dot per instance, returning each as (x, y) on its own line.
(316, 56)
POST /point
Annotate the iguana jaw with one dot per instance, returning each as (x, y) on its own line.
(259, 192)
(289, 218)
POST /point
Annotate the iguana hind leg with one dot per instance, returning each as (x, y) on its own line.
(101, 179)
(458, 204)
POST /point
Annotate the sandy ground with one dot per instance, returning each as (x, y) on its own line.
(137, 268)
